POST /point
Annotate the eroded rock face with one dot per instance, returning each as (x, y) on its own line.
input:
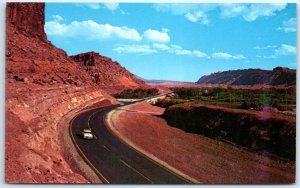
(31, 57)
(43, 85)
(27, 18)
(107, 72)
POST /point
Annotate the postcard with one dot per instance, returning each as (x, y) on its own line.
(150, 93)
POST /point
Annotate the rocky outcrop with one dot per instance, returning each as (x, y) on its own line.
(275, 77)
(27, 18)
(106, 72)
(30, 58)
(34, 147)
(43, 86)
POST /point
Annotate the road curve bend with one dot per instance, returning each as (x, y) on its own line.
(113, 160)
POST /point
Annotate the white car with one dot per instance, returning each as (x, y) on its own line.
(87, 134)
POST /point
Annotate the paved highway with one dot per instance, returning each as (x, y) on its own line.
(113, 160)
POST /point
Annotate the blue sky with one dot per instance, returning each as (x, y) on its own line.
(179, 42)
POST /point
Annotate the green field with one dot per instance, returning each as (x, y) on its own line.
(282, 99)
(136, 93)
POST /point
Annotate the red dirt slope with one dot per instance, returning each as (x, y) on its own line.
(107, 73)
(202, 158)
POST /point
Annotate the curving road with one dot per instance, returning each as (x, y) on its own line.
(114, 161)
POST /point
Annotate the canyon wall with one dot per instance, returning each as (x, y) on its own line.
(28, 18)
(43, 86)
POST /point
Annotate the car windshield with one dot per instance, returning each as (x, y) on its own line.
(87, 130)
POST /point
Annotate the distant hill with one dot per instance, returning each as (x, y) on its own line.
(167, 83)
(277, 76)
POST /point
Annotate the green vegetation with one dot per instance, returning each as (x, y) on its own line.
(136, 93)
(282, 99)
(272, 135)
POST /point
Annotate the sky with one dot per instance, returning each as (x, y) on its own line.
(179, 42)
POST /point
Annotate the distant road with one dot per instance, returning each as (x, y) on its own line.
(113, 160)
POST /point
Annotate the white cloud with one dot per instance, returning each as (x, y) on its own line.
(160, 46)
(227, 56)
(111, 6)
(96, 6)
(57, 18)
(157, 36)
(265, 47)
(199, 54)
(55, 28)
(250, 12)
(267, 56)
(156, 47)
(289, 25)
(91, 30)
(141, 49)
(198, 16)
(232, 10)
(286, 49)
(195, 12)
(178, 50)
(258, 10)
(183, 8)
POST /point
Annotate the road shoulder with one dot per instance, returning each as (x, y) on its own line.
(203, 159)
(110, 119)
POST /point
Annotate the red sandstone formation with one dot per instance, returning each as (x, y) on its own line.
(28, 18)
(43, 87)
(107, 73)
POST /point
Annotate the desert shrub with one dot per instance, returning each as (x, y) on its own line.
(165, 102)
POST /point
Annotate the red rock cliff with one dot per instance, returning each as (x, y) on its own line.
(44, 87)
(28, 18)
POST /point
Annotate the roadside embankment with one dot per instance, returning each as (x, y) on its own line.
(202, 159)
(261, 131)
(36, 149)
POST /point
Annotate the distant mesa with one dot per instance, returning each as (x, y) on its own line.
(277, 76)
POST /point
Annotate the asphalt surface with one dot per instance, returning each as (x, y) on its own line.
(113, 160)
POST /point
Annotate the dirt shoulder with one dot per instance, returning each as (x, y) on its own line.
(203, 159)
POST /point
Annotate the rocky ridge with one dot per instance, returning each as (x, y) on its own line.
(107, 73)
(277, 76)
(43, 86)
